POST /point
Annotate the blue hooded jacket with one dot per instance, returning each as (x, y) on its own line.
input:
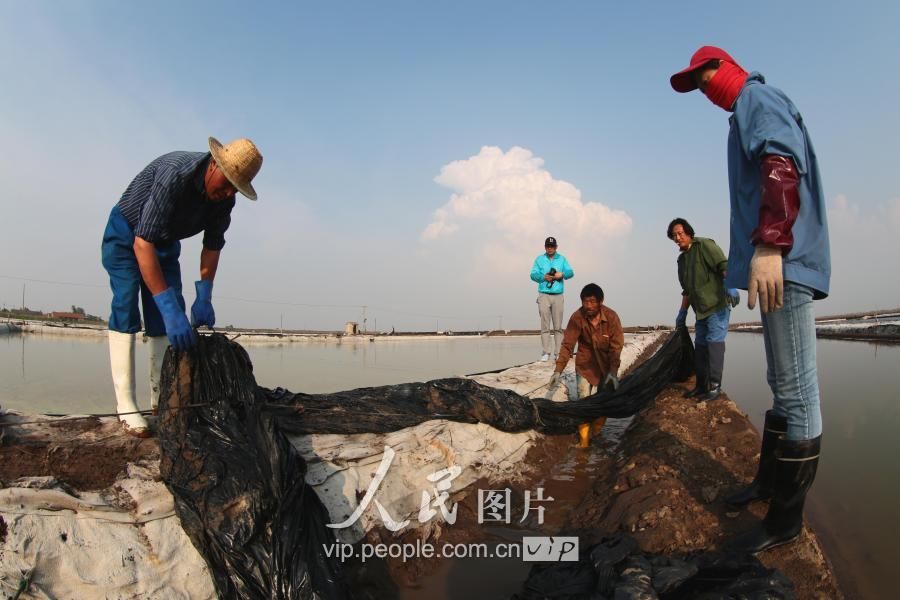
(765, 121)
(543, 264)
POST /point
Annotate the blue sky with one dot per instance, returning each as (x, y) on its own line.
(562, 111)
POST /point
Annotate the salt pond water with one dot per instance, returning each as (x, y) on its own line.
(69, 374)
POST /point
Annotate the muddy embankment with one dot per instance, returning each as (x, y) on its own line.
(677, 463)
(662, 481)
(663, 484)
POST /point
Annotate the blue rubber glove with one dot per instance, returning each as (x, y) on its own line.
(611, 381)
(681, 318)
(178, 330)
(202, 312)
(733, 297)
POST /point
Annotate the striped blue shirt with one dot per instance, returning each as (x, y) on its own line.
(167, 202)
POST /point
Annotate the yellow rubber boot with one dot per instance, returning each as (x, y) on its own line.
(597, 425)
(584, 435)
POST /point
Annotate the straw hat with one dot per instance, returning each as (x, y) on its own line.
(240, 161)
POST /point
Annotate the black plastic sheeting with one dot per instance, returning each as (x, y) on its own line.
(392, 407)
(617, 568)
(239, 484)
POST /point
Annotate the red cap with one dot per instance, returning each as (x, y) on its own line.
(683, 81)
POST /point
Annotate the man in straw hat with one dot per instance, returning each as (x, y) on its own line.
(175, 197)
(779, 251)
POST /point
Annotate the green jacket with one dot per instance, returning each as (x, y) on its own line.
(700, 273)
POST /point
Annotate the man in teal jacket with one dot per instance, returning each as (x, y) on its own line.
(779, 251)
(549, 271)
(701, 272)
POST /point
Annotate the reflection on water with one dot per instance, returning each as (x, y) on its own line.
(851, 504)
(63, 374)
(318, 368)
(41, 374)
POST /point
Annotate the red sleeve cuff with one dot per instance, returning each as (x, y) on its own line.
(779, 203)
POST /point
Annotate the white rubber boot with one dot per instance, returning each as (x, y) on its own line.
(158, 347)
(121, 362)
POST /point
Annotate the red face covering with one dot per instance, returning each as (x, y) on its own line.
(723, 88)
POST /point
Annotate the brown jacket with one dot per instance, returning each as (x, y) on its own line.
(599, 348)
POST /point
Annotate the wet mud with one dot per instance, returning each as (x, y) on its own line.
(663, 484)
(86, 454)
(678, 462)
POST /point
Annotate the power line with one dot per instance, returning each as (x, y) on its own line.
(282, 303)
(94, 285)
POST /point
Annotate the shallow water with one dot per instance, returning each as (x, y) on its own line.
(68, 374)
(851, 505)
(853, 501)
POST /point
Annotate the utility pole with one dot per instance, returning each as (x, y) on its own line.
(23, 297)
(364, 320)
(281, 324)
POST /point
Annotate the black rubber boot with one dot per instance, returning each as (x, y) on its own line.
(701, 366)
(795, 469)
(761, 487)
(716, 357)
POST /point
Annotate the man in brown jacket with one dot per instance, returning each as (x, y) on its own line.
(598, 331)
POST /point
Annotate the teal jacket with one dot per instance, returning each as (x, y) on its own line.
(700, 270)
(542, 266)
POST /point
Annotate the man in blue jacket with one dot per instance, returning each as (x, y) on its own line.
(779, 253)
(175, 197)
(549, 271)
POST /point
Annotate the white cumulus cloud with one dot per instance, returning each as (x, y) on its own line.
(512, 195)
(502, 206)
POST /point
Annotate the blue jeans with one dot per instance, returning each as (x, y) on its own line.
(790, 339)
(125, 279)
(713, 328)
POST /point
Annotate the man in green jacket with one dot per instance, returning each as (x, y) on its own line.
(701, 272)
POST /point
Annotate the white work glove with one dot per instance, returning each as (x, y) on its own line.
(554, 380)
(766, 278)
(611, 381)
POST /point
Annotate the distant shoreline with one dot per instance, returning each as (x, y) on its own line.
(873, 326)
(263, 336)
(880, 326)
